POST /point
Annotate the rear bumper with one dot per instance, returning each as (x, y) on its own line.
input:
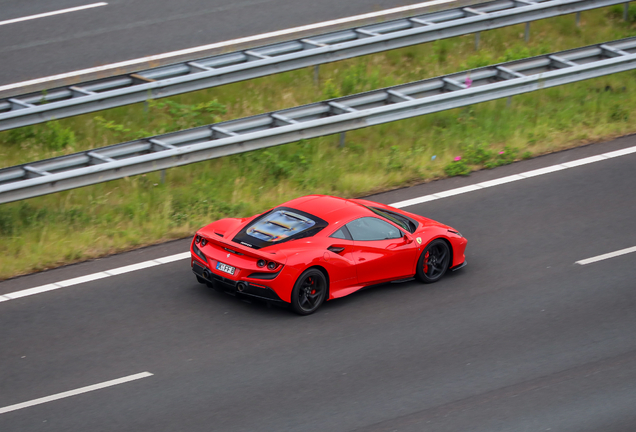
(247, 288)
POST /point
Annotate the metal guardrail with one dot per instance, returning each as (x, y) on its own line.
(154, 61)
(317, 119)
(222, 69)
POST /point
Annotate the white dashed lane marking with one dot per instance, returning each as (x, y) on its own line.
(75, 392)
(606, 256)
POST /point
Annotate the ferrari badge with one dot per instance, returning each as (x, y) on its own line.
(419, 240)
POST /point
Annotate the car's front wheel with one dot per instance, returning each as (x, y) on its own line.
(434, 261)
(309, 292)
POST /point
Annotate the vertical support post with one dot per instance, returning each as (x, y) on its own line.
(578, 19)
(526, 36)
(342, 139)
(317, 75)
(163, 176)
(146, 111)
(509, 102)
(626, 11)
(477, 37)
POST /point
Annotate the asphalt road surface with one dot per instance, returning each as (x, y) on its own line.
(522, 339)
(129, 29)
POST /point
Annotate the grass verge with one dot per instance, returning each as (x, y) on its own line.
(94, 221)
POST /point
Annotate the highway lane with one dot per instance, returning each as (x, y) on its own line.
(128, 29)
(521, 339)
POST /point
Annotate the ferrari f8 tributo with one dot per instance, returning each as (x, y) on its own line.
(318, 248)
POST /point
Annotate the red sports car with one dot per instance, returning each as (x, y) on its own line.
(318, 248)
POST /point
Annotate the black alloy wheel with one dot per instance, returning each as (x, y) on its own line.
(309, 292)
(434, 261)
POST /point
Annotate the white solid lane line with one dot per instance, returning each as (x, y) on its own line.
(94, 276)
(57, 12)
(75, 392)
(401, 204)
(285, 32)
(606, 256)
(32, 291)
(514, 177)
(132, 267)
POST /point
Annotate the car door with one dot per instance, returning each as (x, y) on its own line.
(381, 251)
(339, 260)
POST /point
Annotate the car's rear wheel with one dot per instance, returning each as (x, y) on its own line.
(309, 292)
(434, 261)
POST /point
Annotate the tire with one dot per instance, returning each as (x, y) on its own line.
(310, 291)
(433, 262)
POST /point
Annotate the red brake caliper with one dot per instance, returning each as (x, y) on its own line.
(426, 263)
(311, 282)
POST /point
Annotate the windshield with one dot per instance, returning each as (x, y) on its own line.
(400, 220)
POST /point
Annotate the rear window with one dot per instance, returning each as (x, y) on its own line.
(279, 225)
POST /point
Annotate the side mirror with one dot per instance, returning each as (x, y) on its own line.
(408, 239)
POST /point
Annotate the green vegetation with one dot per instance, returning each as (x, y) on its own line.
(101, 219)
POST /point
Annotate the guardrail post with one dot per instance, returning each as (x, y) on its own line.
(626, 11)
(578, 19)
(317, 74)
(526, 36)
(163, 177)
(509, 102)
(477, 41)
(342, 139)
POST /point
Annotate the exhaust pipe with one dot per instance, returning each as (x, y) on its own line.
(241, 287)
(206, 274)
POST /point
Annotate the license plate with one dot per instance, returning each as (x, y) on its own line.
(225, 268)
